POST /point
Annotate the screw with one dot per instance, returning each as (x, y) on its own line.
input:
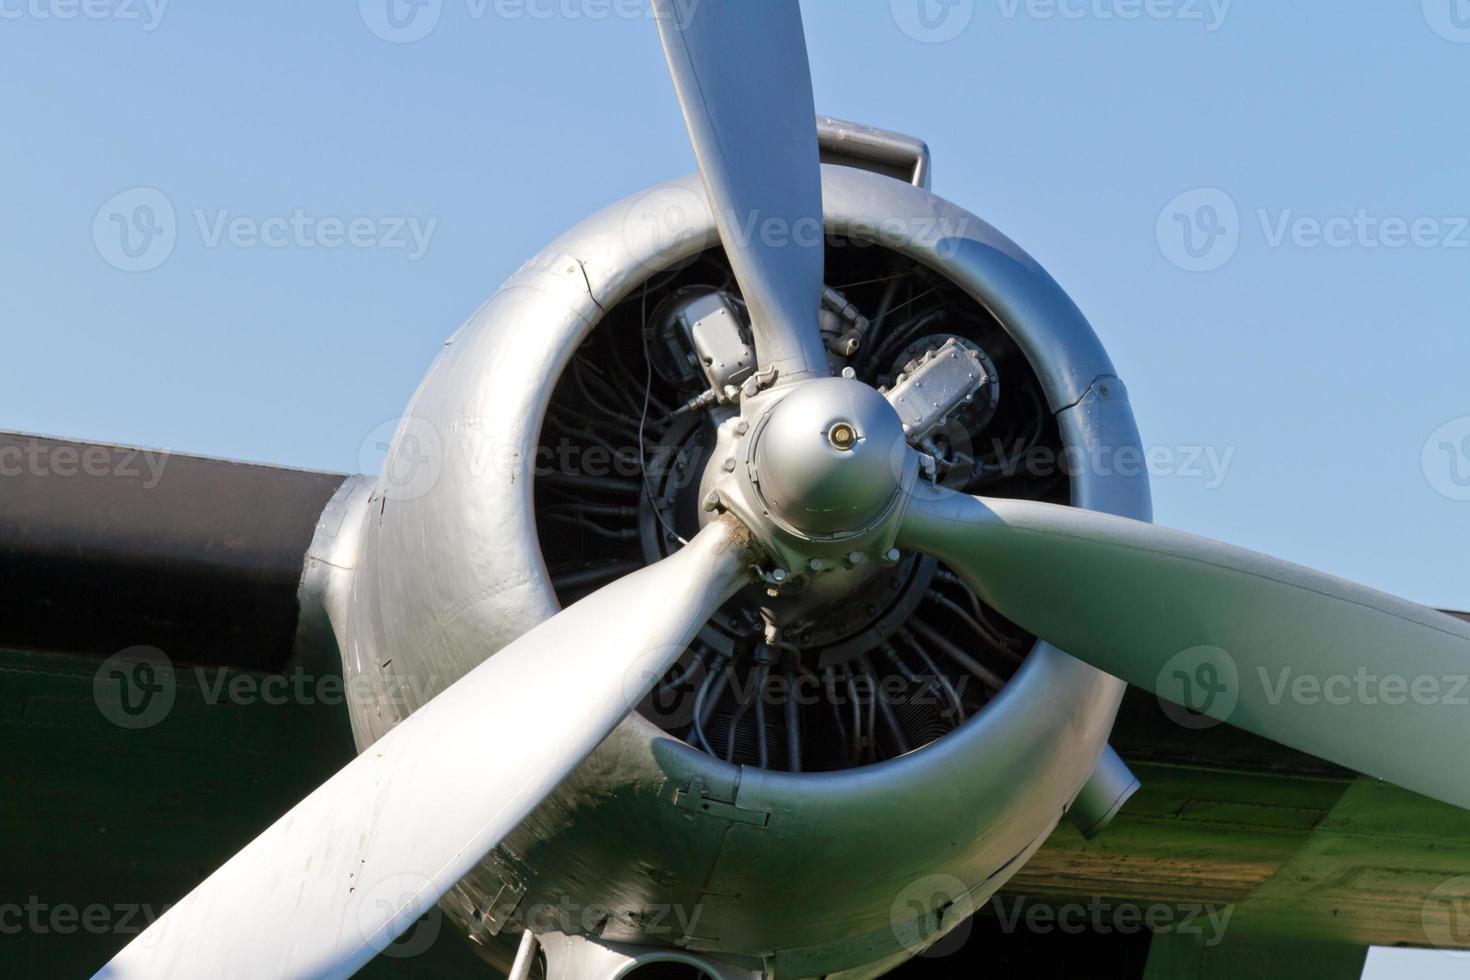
(730, 465)
(817, 565)
(778, 575)
(742, 427)
(892, 555)
(712, 501)
(855, 558)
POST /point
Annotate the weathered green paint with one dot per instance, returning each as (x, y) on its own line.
(121, 822)
(1188, 957)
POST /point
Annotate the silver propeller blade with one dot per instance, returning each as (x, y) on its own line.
(356, 863)
(1344, 672)
(741, 73)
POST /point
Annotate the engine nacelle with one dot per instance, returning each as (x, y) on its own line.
(657, 840)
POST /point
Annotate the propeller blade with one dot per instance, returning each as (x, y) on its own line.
(1335, 669)
(741, 73)
(357, 862)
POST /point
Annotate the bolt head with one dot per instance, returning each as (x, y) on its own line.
(842, 436)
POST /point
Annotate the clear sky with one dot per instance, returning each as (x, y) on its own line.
(1260, 205)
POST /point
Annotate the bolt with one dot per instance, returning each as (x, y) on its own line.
(742, 427)
(842, 436)
(817, 565)
(892, 555)
(855, 558)
(849, 373)
(712, 501)
(778, 575)
(730, 465)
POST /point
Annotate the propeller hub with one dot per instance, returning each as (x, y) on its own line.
(828, 457)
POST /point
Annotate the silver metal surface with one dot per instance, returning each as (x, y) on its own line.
(580, 958)
(1103, 795)
(715, 331)
(934, 386)
(883, 151)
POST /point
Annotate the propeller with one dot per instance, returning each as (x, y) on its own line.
(356, 863)
(741, 73)
(1224, 630)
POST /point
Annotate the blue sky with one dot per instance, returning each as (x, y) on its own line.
(341, 202)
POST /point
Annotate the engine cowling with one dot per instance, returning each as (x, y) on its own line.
(861, 857)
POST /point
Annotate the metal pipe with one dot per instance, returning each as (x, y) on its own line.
(525, 957)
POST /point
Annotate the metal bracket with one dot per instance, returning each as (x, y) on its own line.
(878, 151)
(696, 798)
